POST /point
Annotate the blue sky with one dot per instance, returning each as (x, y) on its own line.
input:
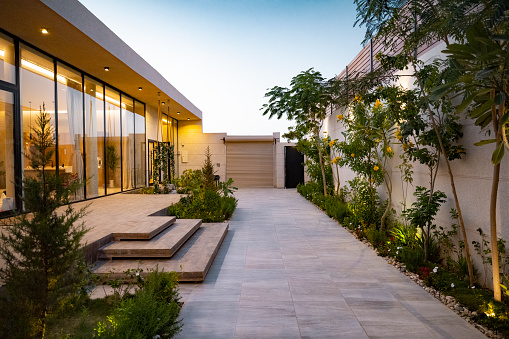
(224, 55)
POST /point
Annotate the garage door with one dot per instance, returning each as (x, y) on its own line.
(250, 164)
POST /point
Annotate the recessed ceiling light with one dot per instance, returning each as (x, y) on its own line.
(140, 88)
(106, 68)
(187, 118)
(162, 103)
(44, 30)
(178, 112)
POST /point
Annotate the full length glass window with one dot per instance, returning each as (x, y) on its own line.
(7, 194)
(70, 125)
(113, 142)
(94, 138)
(7, 57)
(128, 177)
(37, 94)
(140, 144)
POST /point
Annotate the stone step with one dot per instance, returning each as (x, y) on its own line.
(164, 245)
(144, 229)
(192, 262)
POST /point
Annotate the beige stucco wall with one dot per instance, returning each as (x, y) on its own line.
(473, 177)
(192, 140)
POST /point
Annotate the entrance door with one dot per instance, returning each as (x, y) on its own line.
(294, 168)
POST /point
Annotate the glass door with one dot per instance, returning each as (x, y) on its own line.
(7, 187)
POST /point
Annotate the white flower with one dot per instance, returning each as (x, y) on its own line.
(452, 284)
(397, 252)
(137, 273)
(473, 286)
(389, 250)
(435, 270)
(157, 336)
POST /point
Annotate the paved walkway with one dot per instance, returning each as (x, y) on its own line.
(286, 270)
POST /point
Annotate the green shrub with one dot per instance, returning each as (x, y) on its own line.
(152, 311)
(207, 205)
(413, 258)
(376, 237)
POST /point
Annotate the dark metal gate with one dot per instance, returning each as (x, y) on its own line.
(294, 168)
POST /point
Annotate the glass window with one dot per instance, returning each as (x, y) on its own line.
(94, 138)
(37, 94)
(140, 144)
(128, 142)
(7, 194)
(7, 57)
(166, 128)
(113, 144)
(70, 126)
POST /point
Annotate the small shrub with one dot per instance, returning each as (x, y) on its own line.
(152, 312)
(207, 205)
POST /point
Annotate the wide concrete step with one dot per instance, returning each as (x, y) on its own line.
(164, 245)
(144, 229)
(192, 262)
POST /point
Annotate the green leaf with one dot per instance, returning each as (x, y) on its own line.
(485, 142)
(481, 109)
(498, 154)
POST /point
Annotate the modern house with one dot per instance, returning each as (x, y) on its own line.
(109, 108)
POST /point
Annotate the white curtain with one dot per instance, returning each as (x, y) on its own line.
(75, 122)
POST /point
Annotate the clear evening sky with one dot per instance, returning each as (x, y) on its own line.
(223, 55)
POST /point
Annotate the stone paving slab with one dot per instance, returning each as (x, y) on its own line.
(286, 270)
(192, 262)
(144, 229)
(164, 245)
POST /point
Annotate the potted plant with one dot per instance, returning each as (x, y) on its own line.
(112, 160)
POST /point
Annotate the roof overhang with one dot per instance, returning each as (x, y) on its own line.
(79, 38)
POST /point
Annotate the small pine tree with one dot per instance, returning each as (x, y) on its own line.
(208, 172)
(44, 268)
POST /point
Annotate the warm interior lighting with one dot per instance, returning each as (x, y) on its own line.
(2, 53)
(41, 70)
(106, 69)
(140, 88)
(44, 31)
(188, 119)
(165, 120)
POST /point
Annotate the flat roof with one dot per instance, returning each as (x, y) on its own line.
(79, 38)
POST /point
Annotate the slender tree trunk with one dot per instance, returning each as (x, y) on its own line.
(319, 146)
(497, 294)
(388, 185)
(453, 188)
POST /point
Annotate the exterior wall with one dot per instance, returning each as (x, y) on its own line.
(472, 176)
(192, 140)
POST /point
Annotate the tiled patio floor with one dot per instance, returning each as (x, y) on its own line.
(286, 270)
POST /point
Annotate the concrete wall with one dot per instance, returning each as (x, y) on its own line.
(472, 178)
(192, 140)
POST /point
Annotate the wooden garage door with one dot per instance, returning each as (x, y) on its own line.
(250, 164)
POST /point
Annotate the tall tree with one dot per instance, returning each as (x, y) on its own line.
(305, 102)
(482, 63)
(404, 26)
(44, 263)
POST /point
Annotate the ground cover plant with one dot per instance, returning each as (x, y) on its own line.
(203, 198)
(139, 308)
